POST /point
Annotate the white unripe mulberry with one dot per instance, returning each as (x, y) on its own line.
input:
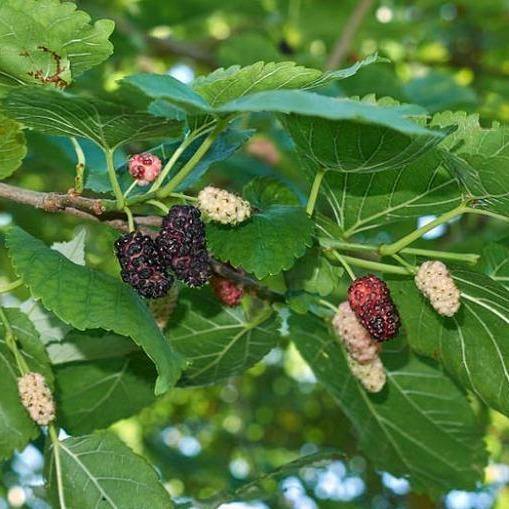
(371, 375)
(36, 397)
(435, 283)
(222, 206)
(359, 344)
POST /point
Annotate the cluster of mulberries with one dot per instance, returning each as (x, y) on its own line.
(182, 245)
(36, 397)
(144, 168)
(370, 300)
(359, 344)
(228, 292)
(180, 250)
(435, 283)
(142, 267)
(361, 349)
(222, 206)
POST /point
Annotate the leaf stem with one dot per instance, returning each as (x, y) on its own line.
(315, 190)
(482, 212)
(130, 188)
(113, 179)
(130, 219)
(367, 264)
(159, 205)
(328, 304)
(395, 247)
(404, 263)
(10, 341)
(171, 162)
(341, 259)
(428, 253)
(79, 182)
(11, 286)
(58, 466)
(191, 164)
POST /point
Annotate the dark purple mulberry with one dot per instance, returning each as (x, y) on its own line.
(182, 245)
(141, 265)
(370, 300)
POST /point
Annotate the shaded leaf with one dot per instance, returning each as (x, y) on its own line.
(12, 146)
(88, 299)
(99, 470)
(420, 425)
(94, 395)
(217, 341)
(495, 263)
(470, 344)
(108, 124)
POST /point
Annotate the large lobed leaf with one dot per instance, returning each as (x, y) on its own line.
(108, 124)
(88, 299)
(49, 41)
(421, 425)
(473, 344)
(100, 471)
(217, 341)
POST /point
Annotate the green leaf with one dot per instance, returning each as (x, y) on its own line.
(421, 425)
(108, 124)
(264, 191)
(495, 263)
(94, 395)
(314, 274)
(88, 299)
(48, 41)
(269, 242)
(354, 147)
(100, 471)
(217, 341)
(310, 104)
(12, 146)
(360, 202)
(88, 346)
(74, 249)
(470, 344)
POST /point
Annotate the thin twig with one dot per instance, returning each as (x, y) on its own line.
(344, 41)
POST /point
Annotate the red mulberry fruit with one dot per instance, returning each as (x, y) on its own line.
(371, 302)
(144, 168)
(141, 265)
(182, 246)
(228, 292)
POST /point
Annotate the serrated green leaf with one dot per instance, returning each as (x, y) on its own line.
(100, 471)
(269, 242)
(88, 299)
(217, 341)
(106, 123)
(94, 395)
(48, 41)
(310, 104)
(13, 147)
(420, 426)
(471, 343)
(264, 191)
(74, 249)
(360, 202)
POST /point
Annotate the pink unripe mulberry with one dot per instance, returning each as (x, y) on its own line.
(359, 344)
(144, 168)
(228, 292)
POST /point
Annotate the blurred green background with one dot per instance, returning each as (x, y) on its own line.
(443, 55)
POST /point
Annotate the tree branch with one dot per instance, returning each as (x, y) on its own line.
(97, 210)
(344, 41)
